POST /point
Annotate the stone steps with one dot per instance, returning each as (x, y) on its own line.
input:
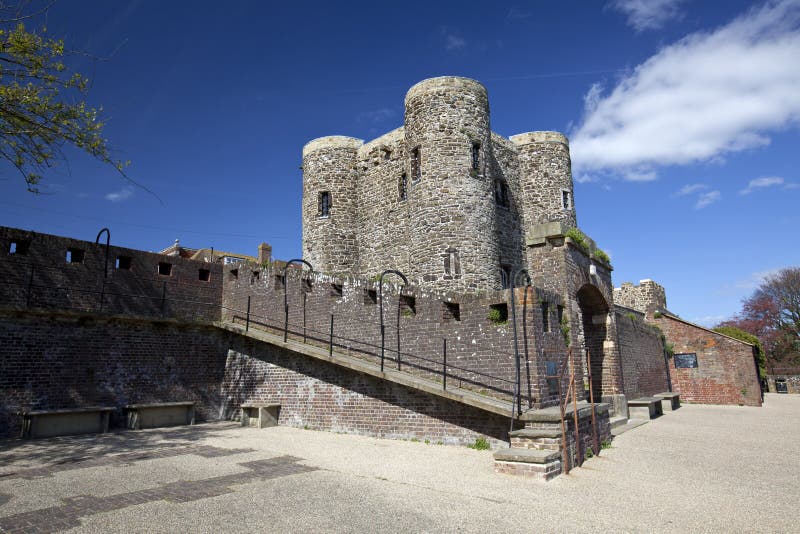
(535, 463)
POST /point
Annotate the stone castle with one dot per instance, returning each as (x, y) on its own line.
(442, 198)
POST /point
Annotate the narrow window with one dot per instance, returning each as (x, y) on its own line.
(505, 276)
(450, 312)
(476, 156)
(566, 199)
(255, 276)
(164, 268)
(402, 187)
(19, 247)
(204, 275)
(337, 290)
(387, 154)
(560, 313)
(501, 193)
(498, 313)
(452, 263)
(324, 209)
(278, 281)
(74, 255)
(545, 317)
(233, 274)
(123, 263)
(307, 286)
(416, 167)
(370, 296)
(408, 306)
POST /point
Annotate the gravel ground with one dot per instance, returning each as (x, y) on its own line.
(701, 469)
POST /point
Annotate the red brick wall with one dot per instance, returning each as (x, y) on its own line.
(642, 353)
(726, 372)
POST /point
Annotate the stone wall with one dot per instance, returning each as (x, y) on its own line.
(726, 370)
(644, 365)
(792, 383)
(460, 219)
(37, 276)
(646, 297)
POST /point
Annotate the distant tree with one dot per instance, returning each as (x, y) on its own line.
(42, 107)
(772, 313)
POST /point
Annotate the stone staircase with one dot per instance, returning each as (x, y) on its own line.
(537, 450)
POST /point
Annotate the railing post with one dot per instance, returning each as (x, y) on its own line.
(398, 332)
(163, 297)
(305, 297)
(330, 342)
(247, 321)
(102, 294)
(444, 363)
(383, 340)
(30, 288)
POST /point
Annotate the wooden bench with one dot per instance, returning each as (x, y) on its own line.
(670, 401)
(645, 408)
(159, 414)
(260, 414)
(65, 422)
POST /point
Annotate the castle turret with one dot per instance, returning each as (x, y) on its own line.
(452, 221)
(545, 178)
(330, 203)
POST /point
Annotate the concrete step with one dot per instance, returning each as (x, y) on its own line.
(618, 420)
(630, 425)
(536, 433)
(528, 456)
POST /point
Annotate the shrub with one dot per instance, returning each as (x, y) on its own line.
(565, 330)
(602, 256)
(579, 238)
(481, 444)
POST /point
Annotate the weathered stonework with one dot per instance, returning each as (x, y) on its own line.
(460, 214)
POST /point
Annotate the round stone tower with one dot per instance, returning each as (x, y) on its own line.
(452, 222)
(545, 178)
(330, 200)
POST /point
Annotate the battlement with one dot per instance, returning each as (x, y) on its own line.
(647, 297)
(539, 137)
(332, 141)
(448, 83)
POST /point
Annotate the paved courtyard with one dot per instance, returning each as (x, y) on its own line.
(702, 468)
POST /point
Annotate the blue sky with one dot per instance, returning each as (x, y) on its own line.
(683, 119)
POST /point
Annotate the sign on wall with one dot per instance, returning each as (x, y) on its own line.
(685, 360)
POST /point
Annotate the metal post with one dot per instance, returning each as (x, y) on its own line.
(444, 363)
(595, 439)
(516, 401)
(305, 298)
(285, 295)
(102, 294)
(383, 327)
(108, 242)
(578, 456)
(247, 322)
(562, 410)
(330, 343)
(163, 297)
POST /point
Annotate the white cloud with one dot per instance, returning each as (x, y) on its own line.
(709, 94)
(689, 189)
(118, 196)
(706, 199)
(760, 183)
(755, 279)
(452, 40)
(648, 14)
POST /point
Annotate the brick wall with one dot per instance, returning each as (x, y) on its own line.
(644, 368)
(63, 360)
(56, 360)
(725, 372)
(480, 353)
(323, 396)
(37, 276)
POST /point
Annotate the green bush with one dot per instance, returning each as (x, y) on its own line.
(481, 444)
(497, 316)
(602, 256)
(565, 330)
(579, 238)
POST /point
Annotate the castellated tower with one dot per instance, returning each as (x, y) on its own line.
(452, 223)
(546, 178)
(330, 202)
(443, 199)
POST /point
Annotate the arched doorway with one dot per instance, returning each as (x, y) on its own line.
(594, 321)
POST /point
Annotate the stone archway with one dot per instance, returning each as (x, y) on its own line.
(594, 321)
